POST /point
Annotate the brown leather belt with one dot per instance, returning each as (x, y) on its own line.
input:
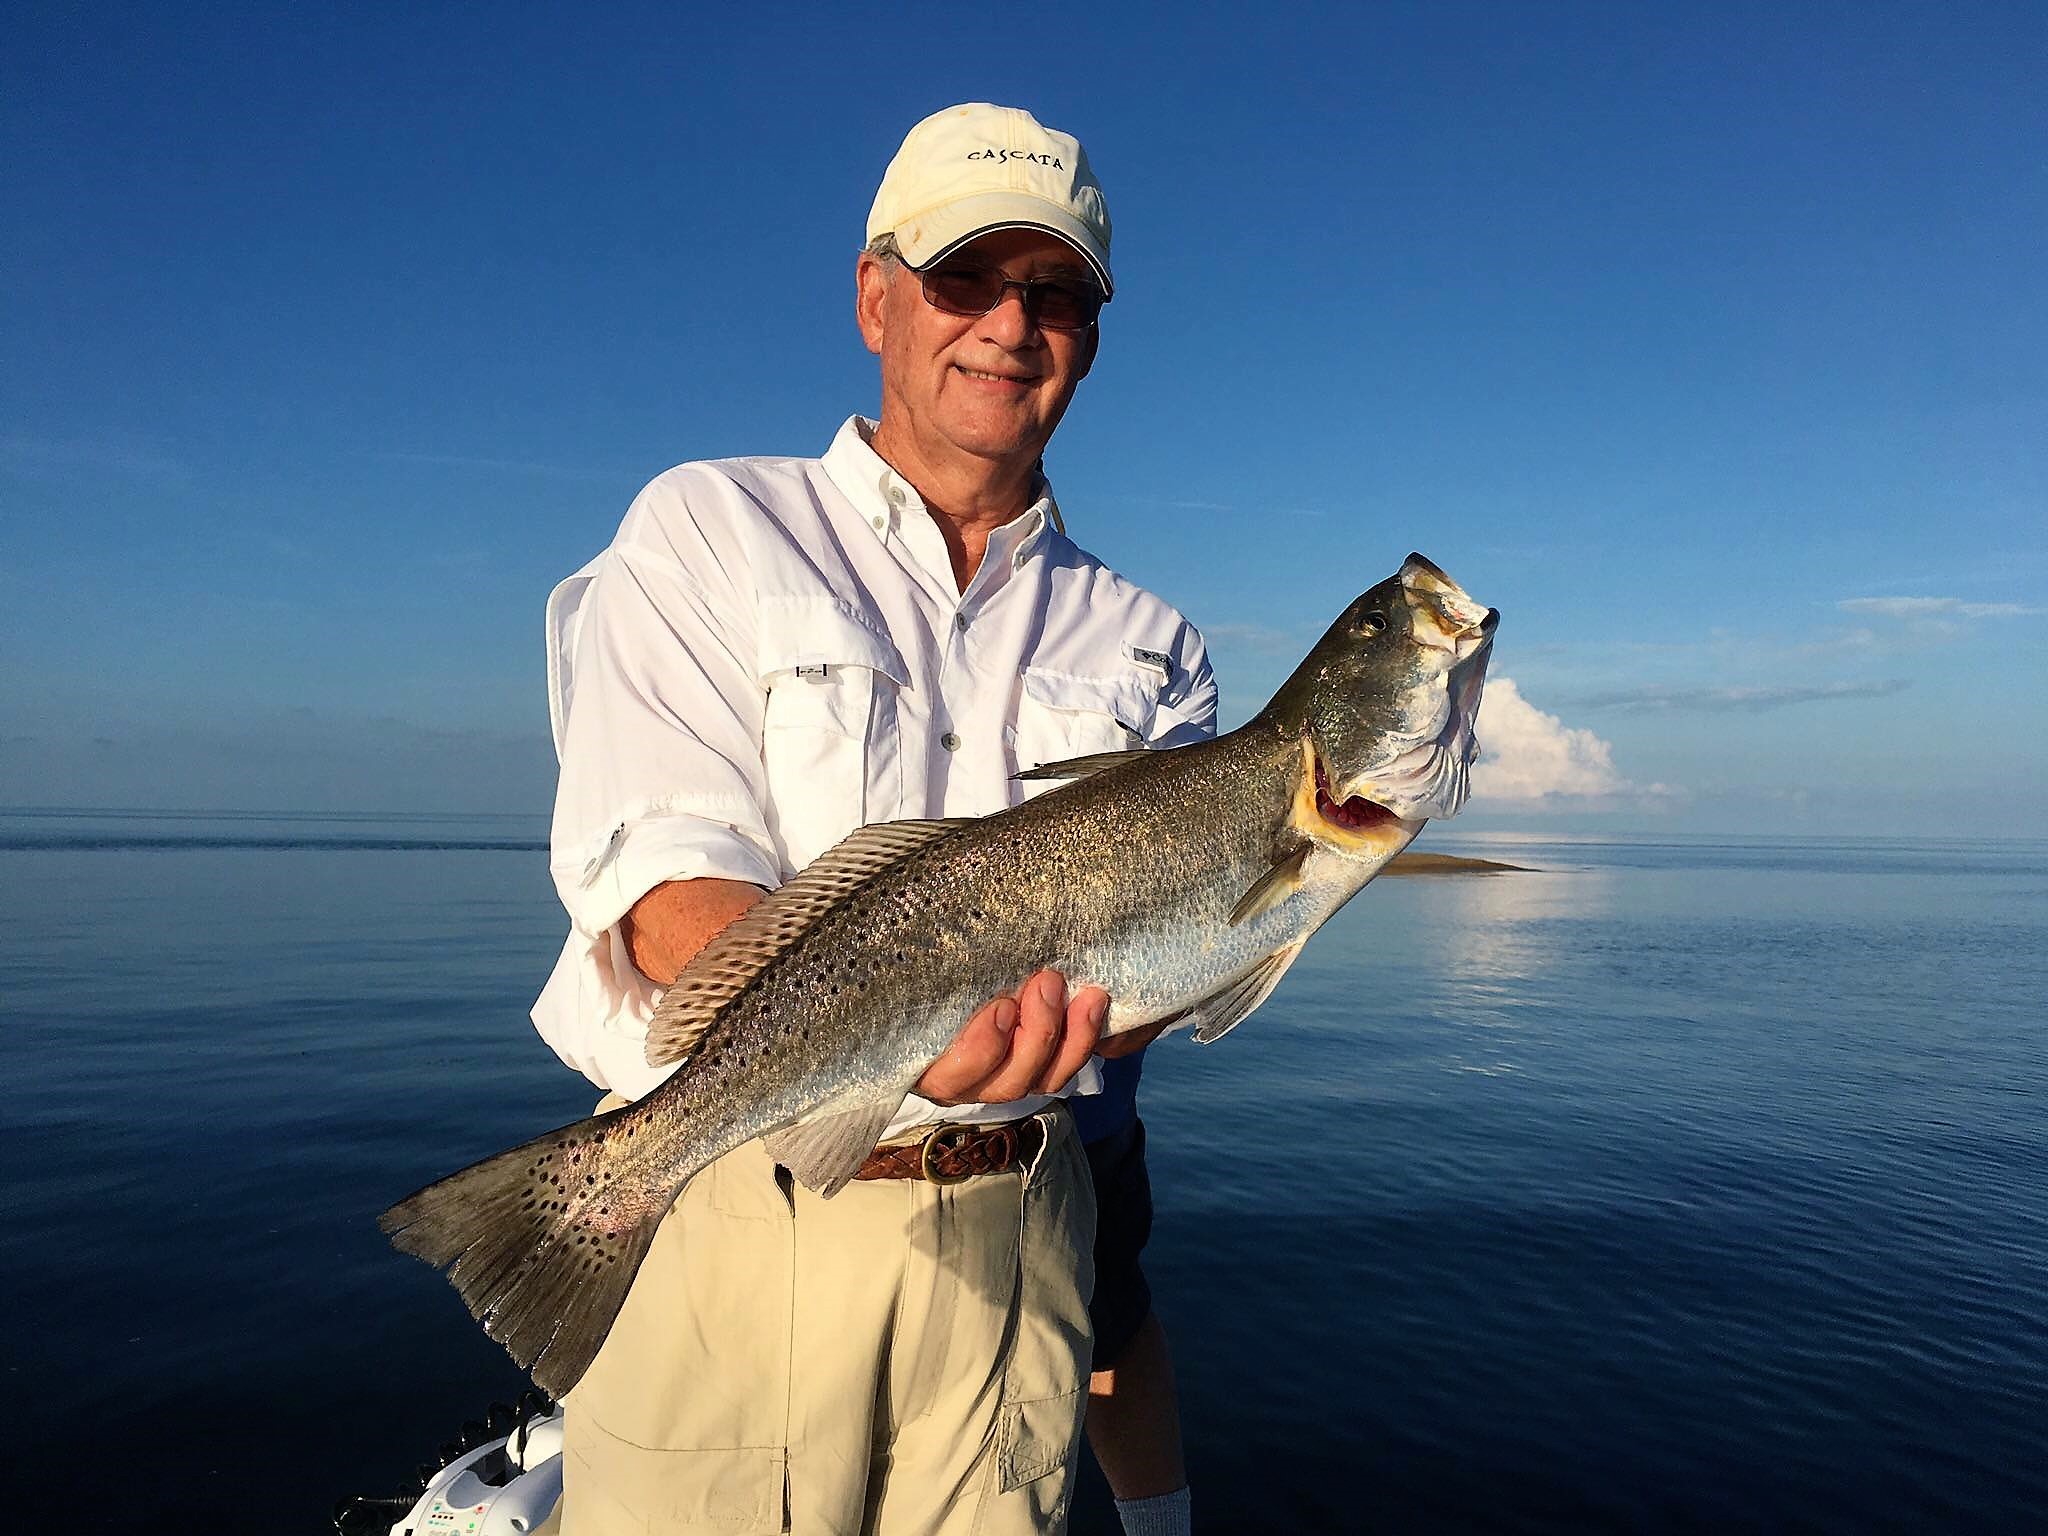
(948, 1154)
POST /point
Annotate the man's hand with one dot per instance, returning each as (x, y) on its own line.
(1031, 1043)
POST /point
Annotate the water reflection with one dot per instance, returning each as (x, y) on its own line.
(1494, 950)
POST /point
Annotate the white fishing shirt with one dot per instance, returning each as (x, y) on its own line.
(772, 653)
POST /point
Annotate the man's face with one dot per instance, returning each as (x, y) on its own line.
(992, 387)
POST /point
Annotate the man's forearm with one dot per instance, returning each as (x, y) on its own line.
(676, 919)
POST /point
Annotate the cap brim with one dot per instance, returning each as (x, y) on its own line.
(944, 230)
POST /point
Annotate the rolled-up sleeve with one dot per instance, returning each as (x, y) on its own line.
(660, 707)
(1187, 706)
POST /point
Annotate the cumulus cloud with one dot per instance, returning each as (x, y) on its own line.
(1753, 700)
(1527, 755)
(1910, 608)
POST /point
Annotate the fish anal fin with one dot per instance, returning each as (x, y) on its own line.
(1273, 887)
(742, 949)
(1217, 1015)
(1083, 767)
(824, 1151)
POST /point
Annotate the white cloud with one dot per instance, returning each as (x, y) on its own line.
(1659, 696)
(1526, 755)
(1910, 608)
(1261, 639)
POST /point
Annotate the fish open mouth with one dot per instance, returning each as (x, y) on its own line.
(1356, 814)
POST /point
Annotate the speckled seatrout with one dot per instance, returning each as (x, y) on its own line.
(1183, 882)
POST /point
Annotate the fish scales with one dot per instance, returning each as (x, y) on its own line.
(892, 972)
(1182, 882)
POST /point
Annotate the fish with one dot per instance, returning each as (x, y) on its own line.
(1182, 881)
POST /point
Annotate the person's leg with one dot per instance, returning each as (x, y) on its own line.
(988, 1370)
(742, 1388)
(1133, 1413)
(681, 1421)
(1134, 1418)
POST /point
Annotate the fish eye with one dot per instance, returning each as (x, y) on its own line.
(1374, 623)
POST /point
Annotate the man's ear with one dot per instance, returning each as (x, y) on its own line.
(870, 285)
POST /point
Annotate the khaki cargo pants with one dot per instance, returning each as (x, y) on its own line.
(904, 1357)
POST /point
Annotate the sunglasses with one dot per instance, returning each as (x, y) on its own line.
(1055, 303)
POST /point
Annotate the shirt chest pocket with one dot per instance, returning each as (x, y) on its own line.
(828, 730)
(1062, 715)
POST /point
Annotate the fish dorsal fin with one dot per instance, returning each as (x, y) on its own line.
(825, 1150)
(1082, 767)
(1274, 886)
(1217, 1015)
(737, 954)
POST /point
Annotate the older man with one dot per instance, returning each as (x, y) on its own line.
(771, 653)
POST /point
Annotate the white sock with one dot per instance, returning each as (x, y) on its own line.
(1163, 1515)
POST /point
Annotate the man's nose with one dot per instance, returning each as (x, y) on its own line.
(1009, 324)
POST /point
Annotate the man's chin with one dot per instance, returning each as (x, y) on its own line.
(1000, 441)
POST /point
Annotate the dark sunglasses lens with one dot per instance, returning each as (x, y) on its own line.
(963, 290)
(1064, 306)
(1055, 305)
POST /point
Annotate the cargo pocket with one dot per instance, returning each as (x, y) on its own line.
(1035, 1437)
(828, 738)
(1062, 715)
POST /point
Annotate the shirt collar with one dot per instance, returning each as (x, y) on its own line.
(884, 498)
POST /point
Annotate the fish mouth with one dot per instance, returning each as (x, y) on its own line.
(1356, 814)
(1446, 617)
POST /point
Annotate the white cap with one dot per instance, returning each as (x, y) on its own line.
(976, 168)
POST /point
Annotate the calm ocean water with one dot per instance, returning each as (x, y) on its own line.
(1673, 1186)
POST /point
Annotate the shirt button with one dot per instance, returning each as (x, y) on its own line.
(895, 495)
(881, 523)
(960, 622)
(950, 742)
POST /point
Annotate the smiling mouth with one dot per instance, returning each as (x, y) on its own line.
(995, 378)
(1354, 815)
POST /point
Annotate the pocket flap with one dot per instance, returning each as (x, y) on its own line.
(1130, 699)
(1037, 1437)
(798, 633)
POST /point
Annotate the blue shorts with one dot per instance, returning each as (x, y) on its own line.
(1123, 1223)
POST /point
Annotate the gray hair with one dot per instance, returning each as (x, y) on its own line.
(884, 249)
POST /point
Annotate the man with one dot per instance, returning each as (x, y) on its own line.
(771, 653)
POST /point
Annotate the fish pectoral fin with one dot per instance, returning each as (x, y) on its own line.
(1082, 767)
(1274, 886)
(720, 971)
(825, 1151)
(1217, 1015)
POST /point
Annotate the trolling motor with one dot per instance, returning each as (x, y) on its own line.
(500, 1477)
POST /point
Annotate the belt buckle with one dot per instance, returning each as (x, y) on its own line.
(935, 1141)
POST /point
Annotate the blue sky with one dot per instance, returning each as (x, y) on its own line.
(1707, 343)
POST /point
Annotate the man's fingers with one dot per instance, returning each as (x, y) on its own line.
(1041, 1018)
(1085, 1013)
(1032, 1043)
(975, 1054)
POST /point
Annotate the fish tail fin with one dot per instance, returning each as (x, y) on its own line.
(542, 1241)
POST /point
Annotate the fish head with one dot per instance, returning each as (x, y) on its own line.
(1384, 704)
